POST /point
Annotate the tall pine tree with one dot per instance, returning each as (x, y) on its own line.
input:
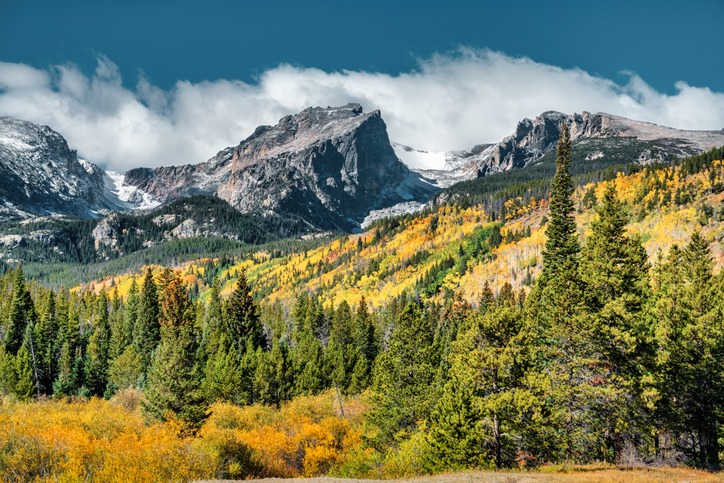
(556, 335)
(173, 386)
(242, 318)
(146, 332)
(21, 314)
(405, 372)
(689, 319)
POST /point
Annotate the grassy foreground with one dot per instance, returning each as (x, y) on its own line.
(552, 474)
(99, 440)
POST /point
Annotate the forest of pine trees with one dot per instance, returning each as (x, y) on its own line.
(606, 358)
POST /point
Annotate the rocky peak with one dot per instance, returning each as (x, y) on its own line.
(329, 166)
(534, 138)
(297, 132)
(41, 175)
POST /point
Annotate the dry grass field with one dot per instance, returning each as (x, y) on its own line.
(547, 475)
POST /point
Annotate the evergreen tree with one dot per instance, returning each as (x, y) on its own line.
(222, 381)
(146, 333)
(125, 370)
(98, 351)
(614, 269)
(173, 387)
(65, 384)
(273, 378)
(21, 314)
(308, 360)
(213, 321)
(404, 375)
(341, 354)
(365, 340)
(46, 337)
(487, 298)
(247, 371)
(687, 313)
(242, 318)
(359, 379)
(561, 249)
(122, 331)
(557, 335)
(476, 420)
(24, 384)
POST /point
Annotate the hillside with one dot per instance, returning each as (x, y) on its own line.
(452, 248)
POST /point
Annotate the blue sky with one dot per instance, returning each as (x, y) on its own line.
(657, 61)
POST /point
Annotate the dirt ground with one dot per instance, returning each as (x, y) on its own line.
(647, 475)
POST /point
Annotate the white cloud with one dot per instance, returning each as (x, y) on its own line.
(451, 101)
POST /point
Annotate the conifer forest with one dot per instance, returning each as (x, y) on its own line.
(568, 324)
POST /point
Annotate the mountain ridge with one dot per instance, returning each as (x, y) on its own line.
(333, 168)
(533, 138)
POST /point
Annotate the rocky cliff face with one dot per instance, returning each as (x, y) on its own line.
(41, 175)
(532, 139)
(329, 166)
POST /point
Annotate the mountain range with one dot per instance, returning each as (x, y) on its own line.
(325, 168)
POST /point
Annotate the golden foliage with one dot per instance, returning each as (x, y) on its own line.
(306, 437)
(102, 440)
(665, 207)
(94, 440)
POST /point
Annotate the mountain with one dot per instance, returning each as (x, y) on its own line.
(41, 175)
(329, 166)
(324, 168)
(447, 249)
(601, 135)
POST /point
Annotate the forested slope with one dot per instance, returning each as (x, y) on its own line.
(585, 327)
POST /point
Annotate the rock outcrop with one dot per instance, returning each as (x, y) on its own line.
(328, 166)
(41, 175)
(534, 138)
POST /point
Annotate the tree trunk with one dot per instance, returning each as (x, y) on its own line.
(496, 425)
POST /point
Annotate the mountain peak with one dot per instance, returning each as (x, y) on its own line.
(329, 166)
(41, 175)
(645, 142)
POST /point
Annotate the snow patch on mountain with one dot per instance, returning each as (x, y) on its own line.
(133, 197)
(417, 159)
(395, 210)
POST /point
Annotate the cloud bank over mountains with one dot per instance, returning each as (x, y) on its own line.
(451, 101)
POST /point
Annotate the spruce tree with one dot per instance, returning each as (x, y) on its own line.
(273, 378)
(21, 314)
(308, 360)
(222, 381)
(687, 313)
(122, 330)
(557, 336)
(242, 318)
(46, 337)
(125, 370)
(213, 321)
(173, 386)
(246, 367)
(341, 353)
(146, 333)
(614, 269)
(24, 384)
(487, 298)
(561, 250)
(65, 384)
(402, 389)
(98, 351)
(365, 340)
